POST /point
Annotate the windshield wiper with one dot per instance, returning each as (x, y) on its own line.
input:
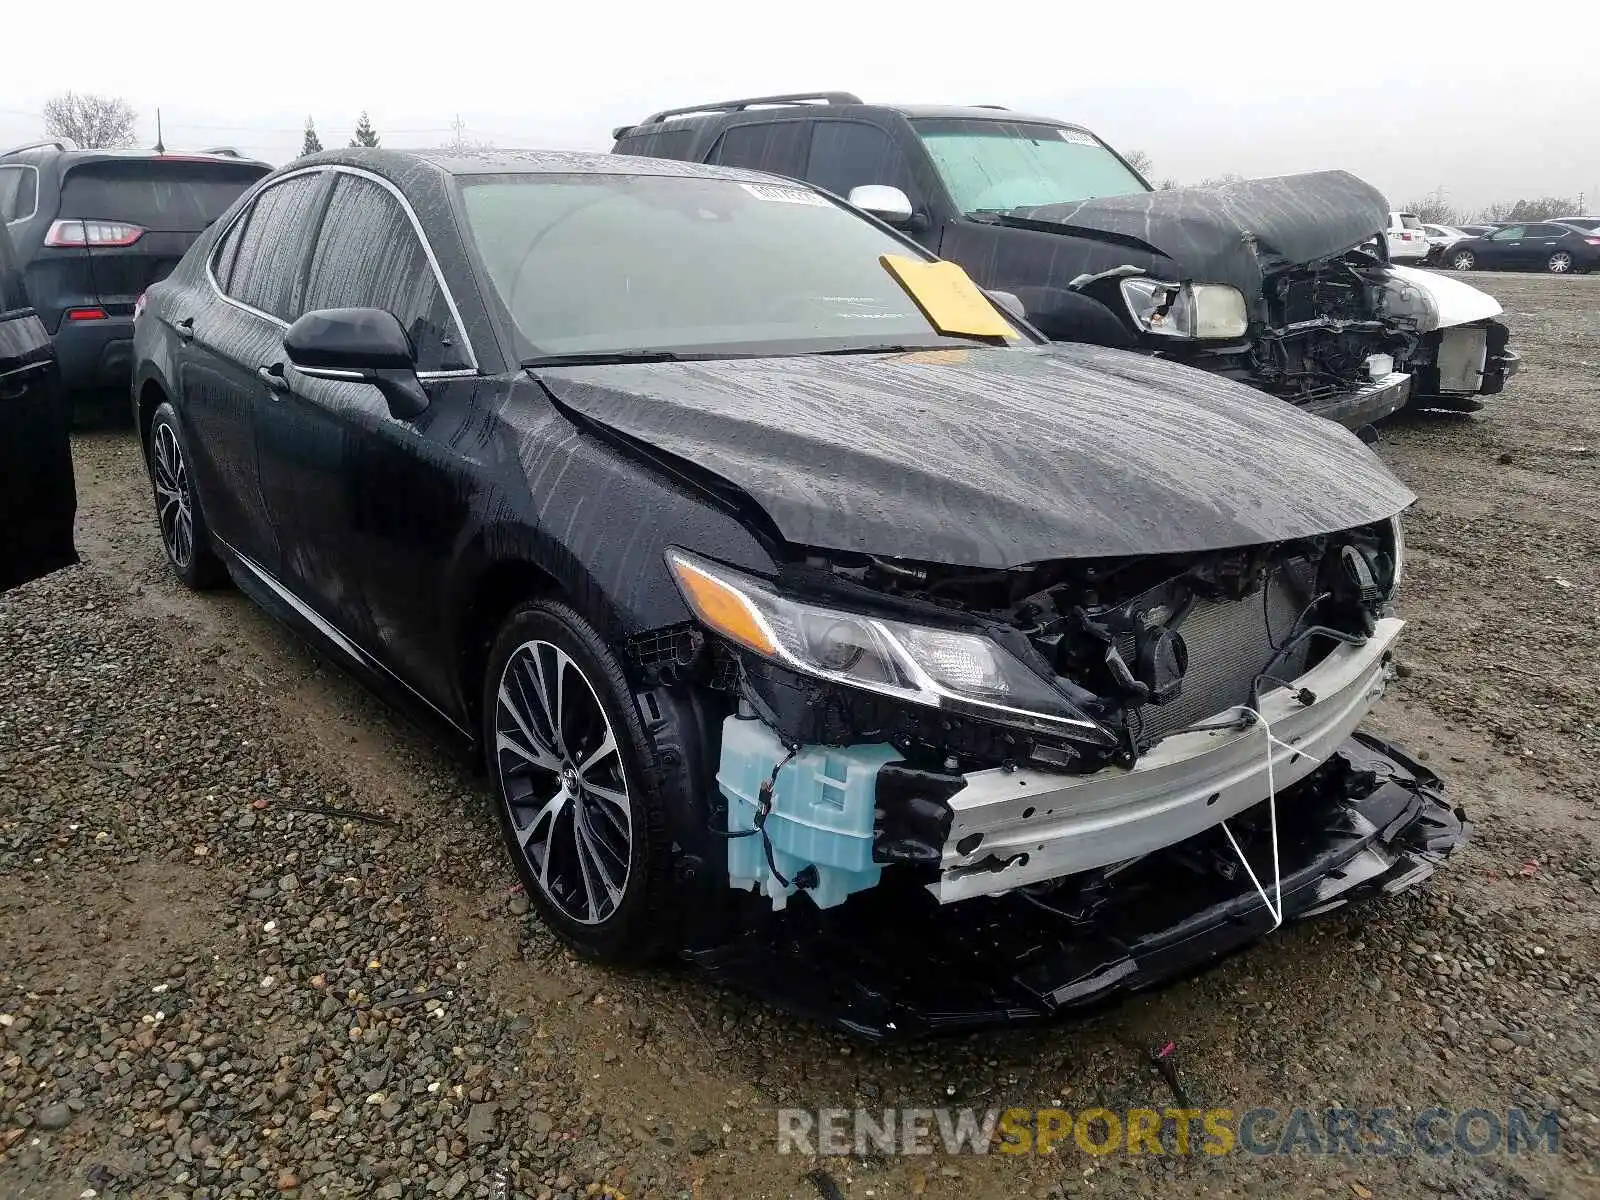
(591, 358)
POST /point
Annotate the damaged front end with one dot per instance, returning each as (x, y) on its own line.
(1009, 772)
(1283, 284)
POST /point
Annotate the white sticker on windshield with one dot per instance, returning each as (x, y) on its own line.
(1077, 137)
(784, 195)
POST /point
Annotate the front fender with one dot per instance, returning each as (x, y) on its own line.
(1437, 301)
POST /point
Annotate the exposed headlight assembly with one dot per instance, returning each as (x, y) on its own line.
(939, 668)
(1398, 531)
(1186, 310)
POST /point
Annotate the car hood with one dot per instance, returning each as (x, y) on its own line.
(995, 458)
(1232, 234)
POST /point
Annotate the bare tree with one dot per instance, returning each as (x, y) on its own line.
(94, 122)
(1139, 161)
(1544, 208)
(1216, 181)
(1434, 209)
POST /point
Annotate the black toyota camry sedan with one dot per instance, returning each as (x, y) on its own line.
(804, 606)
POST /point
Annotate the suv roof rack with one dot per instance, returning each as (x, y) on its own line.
(737, 105)
(47, 144)
(226, 151)
(1001, 107)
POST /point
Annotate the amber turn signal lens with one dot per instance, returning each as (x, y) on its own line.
(722, 608)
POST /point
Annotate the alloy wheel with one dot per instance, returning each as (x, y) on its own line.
(562, 780)
(174, 500)
(1463, 261)
(1560, 262)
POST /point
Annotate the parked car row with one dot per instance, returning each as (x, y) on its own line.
(813, 614)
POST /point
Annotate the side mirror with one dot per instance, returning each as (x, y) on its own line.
(365, 345)
(1008, 301)
(889, 204)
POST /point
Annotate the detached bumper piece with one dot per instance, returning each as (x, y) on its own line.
(889, 962)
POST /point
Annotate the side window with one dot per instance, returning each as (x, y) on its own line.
(777, 146)
(368, 256)
(273, 245)
(19, 193)
(1545, 231)
(226, 251)
(848, 154)
(1513, 234)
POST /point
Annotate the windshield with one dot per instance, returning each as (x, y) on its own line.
(995, 166)
(596, 264)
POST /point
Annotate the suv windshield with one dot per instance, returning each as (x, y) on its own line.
(995, 166)
(616, 264)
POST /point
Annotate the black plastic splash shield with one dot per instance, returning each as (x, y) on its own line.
(890, 963)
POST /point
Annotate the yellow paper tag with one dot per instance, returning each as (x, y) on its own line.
(948, 298)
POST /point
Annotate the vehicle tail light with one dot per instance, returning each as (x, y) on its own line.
(86, 314)
(1593, 241)
(92, 233)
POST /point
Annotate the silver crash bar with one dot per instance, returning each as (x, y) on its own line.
(1019, 827)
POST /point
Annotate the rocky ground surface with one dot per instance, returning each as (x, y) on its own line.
(257, 937)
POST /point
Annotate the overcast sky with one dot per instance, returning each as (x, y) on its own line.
(1204, 88)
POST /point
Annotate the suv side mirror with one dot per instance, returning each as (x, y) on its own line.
(1009, 301)
(889, 204)
(359, 344)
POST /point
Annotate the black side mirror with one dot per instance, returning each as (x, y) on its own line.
(359, 344)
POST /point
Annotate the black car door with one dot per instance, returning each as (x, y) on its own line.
(231, 332)
(1502, 248)
(37, 496)
(367, 506)
(1540, 242)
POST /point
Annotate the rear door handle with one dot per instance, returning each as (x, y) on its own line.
(185, 328)
(272, 375)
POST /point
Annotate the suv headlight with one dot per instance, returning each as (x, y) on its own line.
(922, 664)
(1186, 310)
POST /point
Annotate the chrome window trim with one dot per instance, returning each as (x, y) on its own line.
(25, 167)
(416, 226)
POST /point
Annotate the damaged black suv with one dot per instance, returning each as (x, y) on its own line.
(803, 604)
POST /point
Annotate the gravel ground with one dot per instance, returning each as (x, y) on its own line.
(257, 936)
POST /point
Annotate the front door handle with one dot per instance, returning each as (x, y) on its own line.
(185, 328)
(271, 374)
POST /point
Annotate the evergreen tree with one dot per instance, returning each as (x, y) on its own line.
(366, 135)
(312, 142)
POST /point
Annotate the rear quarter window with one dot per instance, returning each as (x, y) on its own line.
(657, 143)
(19, 192)
(169, 195)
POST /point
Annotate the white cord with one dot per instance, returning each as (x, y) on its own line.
(1272, 810)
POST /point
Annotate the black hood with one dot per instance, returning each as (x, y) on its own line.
(1231, 234)
(995, 458)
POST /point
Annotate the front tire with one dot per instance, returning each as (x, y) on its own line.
(576, 786)
(1560, 263)
(1463, 260)
(184, 533)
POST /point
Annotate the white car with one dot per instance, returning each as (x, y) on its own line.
(1408, 240)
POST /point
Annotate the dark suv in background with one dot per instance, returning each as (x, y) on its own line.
(93, 228)
(1279, 283)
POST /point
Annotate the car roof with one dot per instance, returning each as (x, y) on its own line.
(527, 162)
(839, 104)
(68, 155)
